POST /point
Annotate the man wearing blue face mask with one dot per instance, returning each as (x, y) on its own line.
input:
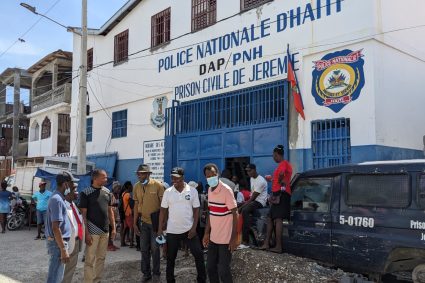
(58, 228)
(220, 232)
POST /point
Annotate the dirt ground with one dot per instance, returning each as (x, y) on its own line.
(23, 259)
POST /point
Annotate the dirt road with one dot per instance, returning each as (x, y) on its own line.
(23, 259)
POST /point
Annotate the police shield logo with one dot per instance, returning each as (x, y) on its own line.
(158, 114)
(338, 79)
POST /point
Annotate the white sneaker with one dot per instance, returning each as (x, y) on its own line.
(242, 246)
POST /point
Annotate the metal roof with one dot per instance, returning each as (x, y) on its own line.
(59, 54)
(8, 75)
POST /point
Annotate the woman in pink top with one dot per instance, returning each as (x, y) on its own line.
(280, 202)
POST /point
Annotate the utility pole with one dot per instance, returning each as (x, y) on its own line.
(82, 96)
(16, 101)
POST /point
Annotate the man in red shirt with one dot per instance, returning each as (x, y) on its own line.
(221, 230)
(280, 200)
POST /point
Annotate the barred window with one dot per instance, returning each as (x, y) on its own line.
(160, 27)
(119, 124)
(249, 4)
(121, 47)
(45, 128)
(90, 59)
(330, 142)
(204, 13)
(379, 190)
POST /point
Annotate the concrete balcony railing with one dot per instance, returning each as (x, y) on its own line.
(52, 97)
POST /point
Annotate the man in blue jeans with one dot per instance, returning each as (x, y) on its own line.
(147, 195)
(42, 198)
(58, 228)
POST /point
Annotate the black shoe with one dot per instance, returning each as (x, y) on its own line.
(37, 238)
(146, 279)
(43, 237)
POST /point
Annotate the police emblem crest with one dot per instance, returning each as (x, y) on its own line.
(158, 115)
(338, 79)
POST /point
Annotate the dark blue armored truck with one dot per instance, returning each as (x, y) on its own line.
(367, 218)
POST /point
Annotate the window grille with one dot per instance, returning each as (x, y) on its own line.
(379, 190)
(121, 47)
(249, 106)
(160, 27)
(204, 13)
(330, 142)
(249, 4)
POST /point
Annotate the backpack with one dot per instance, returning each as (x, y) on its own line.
(121, 207)
(131, 202)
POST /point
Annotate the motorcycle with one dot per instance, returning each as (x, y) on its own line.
(17, 218)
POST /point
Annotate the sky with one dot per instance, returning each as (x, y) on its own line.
(44, 37)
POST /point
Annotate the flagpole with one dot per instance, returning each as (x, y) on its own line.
(295, 73)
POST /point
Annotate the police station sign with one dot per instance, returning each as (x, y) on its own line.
(239, 57)
(153, 155)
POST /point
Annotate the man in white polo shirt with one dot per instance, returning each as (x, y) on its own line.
(181, 202)
(258, 200)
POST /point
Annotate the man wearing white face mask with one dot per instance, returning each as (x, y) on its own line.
(58, 228)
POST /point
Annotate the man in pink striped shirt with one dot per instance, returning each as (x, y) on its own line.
(220, 233)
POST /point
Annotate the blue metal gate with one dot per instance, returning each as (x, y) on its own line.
(243, 123)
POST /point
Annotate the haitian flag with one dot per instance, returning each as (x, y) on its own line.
(292, 79)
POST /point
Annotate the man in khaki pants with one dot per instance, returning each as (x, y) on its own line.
(96, 207)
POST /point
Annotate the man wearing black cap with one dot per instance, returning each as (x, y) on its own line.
(147, 195)
(58, 228)
(181, 203)
(258, 200)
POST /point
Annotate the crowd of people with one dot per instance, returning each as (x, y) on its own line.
(152, 217)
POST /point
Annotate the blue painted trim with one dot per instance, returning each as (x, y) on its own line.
(302, 159)
(125, 169)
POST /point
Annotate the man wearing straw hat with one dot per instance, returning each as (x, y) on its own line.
(147, 195)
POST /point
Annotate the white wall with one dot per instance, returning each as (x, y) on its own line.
(133, 84)
(400, 98)
(48, 146)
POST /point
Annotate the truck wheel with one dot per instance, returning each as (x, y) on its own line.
(418, 274)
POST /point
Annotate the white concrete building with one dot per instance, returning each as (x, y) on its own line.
(49, 132)
(221, 67)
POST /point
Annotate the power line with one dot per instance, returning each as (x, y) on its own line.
(98, 66)
(300, 48)
(29, 29)
(194, 44)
